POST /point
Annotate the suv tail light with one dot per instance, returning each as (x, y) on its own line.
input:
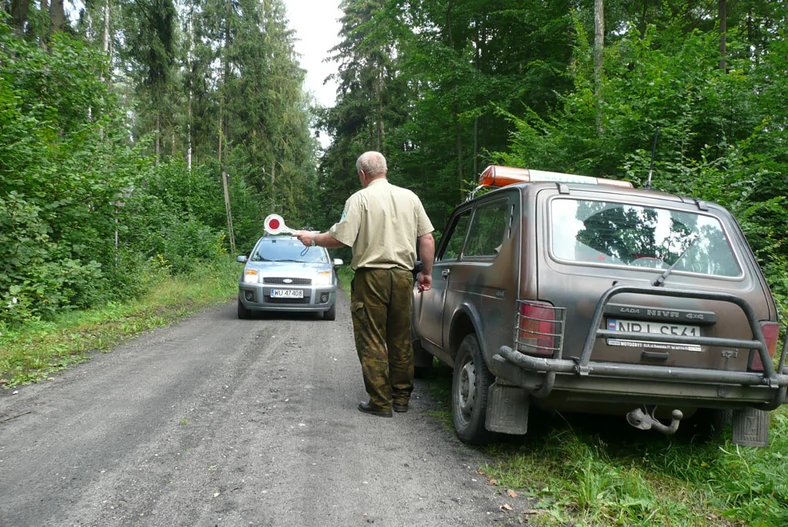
(771, 332)
(540, 328)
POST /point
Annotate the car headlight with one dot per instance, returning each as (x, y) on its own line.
(250, 276)
(323, 278)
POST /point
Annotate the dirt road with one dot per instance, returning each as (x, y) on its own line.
(219, 421)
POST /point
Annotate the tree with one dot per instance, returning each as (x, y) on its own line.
(152, 40)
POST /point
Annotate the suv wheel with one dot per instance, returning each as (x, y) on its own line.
(708, 424)
(243, 313)
(469, 389)
(422, 361)
(330, 313)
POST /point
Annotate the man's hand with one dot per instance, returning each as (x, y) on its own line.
(305, 237)
(427, 251)
(425, 282)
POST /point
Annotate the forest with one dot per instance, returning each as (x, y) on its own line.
(150, 135)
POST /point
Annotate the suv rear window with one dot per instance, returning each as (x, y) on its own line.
(608, 233)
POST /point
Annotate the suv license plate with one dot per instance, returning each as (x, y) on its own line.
(287, 293)
(657, 328)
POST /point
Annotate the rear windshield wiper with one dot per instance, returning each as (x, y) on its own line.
(660, 281)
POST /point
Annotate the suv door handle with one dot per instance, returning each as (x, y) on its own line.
(445, 273)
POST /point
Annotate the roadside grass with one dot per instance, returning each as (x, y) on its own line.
(41, 348)
(345, 276)
(598, 471)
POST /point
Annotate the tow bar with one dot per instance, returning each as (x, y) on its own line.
(643, 421)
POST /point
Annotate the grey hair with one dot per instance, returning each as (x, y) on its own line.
(372, 163)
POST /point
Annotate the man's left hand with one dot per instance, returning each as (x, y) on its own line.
(425, 282)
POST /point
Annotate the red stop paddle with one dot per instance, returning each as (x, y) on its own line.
(275, 224)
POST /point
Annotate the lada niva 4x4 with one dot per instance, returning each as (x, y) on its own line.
(581, 294)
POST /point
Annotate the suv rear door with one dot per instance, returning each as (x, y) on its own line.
(596, 241)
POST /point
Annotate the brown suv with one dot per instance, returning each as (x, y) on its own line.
(587, 295)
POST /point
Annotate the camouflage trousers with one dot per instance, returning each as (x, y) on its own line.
(381, 306)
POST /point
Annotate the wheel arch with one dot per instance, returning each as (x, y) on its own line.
(465, 321)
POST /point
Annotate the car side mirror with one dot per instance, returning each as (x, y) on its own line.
(241, 259)
(337, 262)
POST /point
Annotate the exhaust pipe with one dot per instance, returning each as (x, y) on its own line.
(643, 421)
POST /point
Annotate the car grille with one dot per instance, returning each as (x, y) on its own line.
(293, 281)
(270, 300)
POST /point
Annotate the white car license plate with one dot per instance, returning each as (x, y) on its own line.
(287, 293)
(657, 328)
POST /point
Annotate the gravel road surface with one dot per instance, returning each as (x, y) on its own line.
(225, 422)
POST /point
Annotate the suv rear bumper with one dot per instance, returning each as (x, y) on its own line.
(767, 390)
(642, 384)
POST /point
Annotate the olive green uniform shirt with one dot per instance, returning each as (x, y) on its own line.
(382, 223)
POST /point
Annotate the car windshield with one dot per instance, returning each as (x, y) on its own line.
(288, 250)
(636, 236)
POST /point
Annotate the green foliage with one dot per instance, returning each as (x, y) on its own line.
(717, 138)
(31, 352)
(421, 81)
(81, 212)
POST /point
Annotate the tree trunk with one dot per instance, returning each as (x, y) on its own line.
(57, 17)
(105, 38)
(189, 116)
(158, 136)
(723, 33)
(458, 133)
(455, 110)
(225, 185)
(43, 30)
(642, 25)
(380, 130)
(476, 146)
(599, 39)
(599, 49)
(19, 9)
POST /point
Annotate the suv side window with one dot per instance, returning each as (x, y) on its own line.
(489, 229)
(456, 236)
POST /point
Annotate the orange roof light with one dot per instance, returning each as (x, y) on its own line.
(499, 176)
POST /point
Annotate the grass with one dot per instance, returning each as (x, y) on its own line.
(40, 348)
(345, 276)
(597, 471)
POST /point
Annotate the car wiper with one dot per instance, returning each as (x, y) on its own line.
(288, 260)
(660, 281)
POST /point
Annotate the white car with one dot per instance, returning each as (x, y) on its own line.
(281, 275)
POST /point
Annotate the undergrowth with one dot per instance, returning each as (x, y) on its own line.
(37, 349)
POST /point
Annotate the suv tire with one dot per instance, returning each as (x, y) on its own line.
(243, 313)
(469, 389)
(708, 423)
(330, 313)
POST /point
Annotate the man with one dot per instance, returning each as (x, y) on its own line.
(382, 223)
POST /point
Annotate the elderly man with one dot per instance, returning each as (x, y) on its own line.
(382, 223)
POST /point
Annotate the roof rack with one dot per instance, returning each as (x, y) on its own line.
(496, 176)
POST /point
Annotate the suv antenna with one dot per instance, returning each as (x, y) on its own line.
(653, 153)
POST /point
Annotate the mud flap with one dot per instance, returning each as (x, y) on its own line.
(751, 427)
(507, 409)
